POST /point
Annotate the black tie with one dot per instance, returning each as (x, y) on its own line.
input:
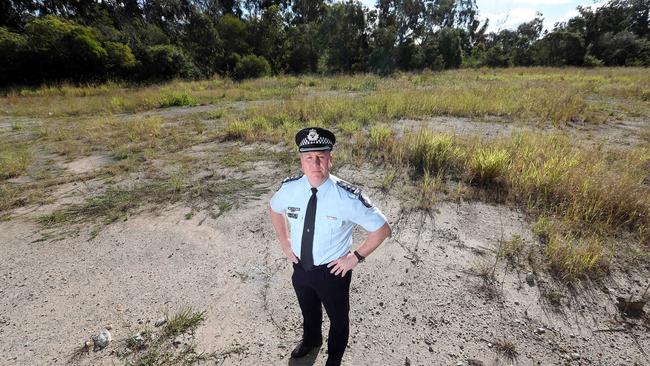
(307, 243)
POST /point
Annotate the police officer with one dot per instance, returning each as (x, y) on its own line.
(322, 210)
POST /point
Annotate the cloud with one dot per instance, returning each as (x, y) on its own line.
(510, 19)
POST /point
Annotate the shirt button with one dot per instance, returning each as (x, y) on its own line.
(307, 230)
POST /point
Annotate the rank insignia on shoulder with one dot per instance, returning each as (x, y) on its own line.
(355, 191)
(289, 179)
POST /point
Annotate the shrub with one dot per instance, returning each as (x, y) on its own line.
(119, 58)
(64, 49)
(166, 62)
(251, 66)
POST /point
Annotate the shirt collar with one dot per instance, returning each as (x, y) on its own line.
(323, 188)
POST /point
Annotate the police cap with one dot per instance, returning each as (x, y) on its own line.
(315, 139)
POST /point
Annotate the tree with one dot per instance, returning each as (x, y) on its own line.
(64, 50)
(559, 49)
(267, 36)
(13, 47)
(203, 43)
(343, 30)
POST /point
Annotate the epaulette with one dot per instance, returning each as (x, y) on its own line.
(355, 191)
(289, 179)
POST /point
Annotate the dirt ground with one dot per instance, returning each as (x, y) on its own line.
(416, 301)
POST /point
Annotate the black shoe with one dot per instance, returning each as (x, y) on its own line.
(333, 361)
(303, 348)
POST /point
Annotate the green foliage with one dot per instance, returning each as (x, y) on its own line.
(251, 66)
(62, 49)
(13, 47)
(176, 100)
(119, 58)
(167, 62)
(89, 41)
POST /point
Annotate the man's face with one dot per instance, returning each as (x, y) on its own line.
(316, 165)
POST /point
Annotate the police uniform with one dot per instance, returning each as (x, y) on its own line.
(339, 207)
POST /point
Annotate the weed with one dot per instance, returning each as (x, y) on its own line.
(571, 257)
(425, 192)
(506, 348)
(349, 128)
(183, 321)
(486, 271)
(379, 136)
(554, 297)
(176, 100)
(388, 179)
(215, 114)
(239, 130)
(511, 249)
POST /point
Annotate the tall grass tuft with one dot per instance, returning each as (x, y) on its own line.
(573, 257)
(486, 166)
(239, 130)
(432, 153)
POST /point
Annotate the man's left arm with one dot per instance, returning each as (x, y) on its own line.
(373, 240)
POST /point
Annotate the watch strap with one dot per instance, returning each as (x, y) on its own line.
(359, 256)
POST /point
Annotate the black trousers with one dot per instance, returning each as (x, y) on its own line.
(317, 287)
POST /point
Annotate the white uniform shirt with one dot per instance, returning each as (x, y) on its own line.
(337, 210)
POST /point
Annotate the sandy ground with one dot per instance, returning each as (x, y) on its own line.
(416, 301)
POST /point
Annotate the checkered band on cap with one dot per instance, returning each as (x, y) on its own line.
(319, 141)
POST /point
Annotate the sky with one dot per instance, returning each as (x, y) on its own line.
(508, 14)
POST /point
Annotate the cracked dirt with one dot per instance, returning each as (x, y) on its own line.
(418, 300)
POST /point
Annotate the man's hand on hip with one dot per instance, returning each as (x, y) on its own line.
(343, 265)
(289, 253)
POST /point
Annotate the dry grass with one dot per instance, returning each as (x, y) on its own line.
(583, 196)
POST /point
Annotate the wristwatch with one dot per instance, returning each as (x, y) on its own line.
(360, 258)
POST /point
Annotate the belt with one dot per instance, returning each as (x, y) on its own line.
(318, 267)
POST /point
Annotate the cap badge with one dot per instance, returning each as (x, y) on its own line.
(313, 135)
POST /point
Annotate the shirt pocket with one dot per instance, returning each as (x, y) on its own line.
(333, 222)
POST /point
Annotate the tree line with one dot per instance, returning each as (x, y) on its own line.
(95, 40)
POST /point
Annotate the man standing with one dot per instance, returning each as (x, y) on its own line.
(322, 210)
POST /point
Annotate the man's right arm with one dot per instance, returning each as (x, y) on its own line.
(282, 232)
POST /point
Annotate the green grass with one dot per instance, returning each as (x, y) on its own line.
(14, 159)
(176, 100)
